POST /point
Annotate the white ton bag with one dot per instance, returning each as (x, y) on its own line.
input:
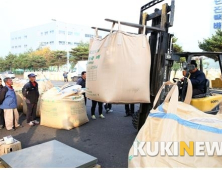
(175, 121)
(62, 110)
(118, 68)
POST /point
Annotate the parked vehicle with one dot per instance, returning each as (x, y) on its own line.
(8, 74)
(78, 69)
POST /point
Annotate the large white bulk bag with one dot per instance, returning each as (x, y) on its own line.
(175, 121)
(62, 110)
(118, 69)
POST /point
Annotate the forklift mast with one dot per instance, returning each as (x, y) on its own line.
(161, 50)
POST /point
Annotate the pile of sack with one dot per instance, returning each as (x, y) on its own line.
(63, 108)
(18, 85)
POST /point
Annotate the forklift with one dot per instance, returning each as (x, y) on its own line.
(163, 58)
(162, 54)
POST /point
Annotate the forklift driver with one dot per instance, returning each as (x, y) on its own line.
(197, 79)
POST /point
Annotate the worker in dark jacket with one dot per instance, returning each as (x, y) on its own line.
(65, 75)
(2, 120)
(198, 79)
(30, 92)
(82, 82)
(8, 103)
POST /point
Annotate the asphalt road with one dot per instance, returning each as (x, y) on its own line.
(107, 139)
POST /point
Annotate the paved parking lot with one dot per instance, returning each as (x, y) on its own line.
(107, 139)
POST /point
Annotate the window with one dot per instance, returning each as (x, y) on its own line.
(100, 36)
(41, 33)
(61, 42)
(62, 32)
(52, 31)
(19, 38)
(51, 42)
(25, 46)
(70, 43)
(76, 34)
(25, 36)
(46, 33)
(88, 35)
(12, 46)
(15, 46)
(42, 43)
(15, 38)
(12, 38)
(19, 46)
(75, 43)
(70, 33)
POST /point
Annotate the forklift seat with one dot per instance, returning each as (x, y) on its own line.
(206, 90)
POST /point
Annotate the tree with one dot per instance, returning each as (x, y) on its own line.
(81, 52)
(177, 49)
(2, 64)
(43, 52)
(57, 58)
(23, 61)
(38, 62)
(8, 64)
(213, 44)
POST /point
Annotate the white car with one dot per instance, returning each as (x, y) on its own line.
(9, 74)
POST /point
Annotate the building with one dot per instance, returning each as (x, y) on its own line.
(56, 35)
(217, 16)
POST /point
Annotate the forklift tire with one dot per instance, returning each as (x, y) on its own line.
(135, 119)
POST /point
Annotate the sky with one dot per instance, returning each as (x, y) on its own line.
(192, 20)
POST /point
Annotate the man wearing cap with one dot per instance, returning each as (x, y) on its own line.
(197, 79)
(30, 92)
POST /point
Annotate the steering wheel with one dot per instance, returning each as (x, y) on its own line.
(175, 80)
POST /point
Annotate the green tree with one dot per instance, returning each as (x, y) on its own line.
(213, 44)
(43, 52)
(57, 58)
(23, 61)
(9, 60)
(177, 49)
(81, 52)
(2, 64)
(38, 62)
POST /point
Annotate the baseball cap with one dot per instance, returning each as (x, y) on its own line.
(32, 75)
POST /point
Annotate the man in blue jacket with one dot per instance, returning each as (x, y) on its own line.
(8, 103)
(198, 80)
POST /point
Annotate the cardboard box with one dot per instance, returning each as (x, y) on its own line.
(217, 83)
(1, 166)
(4, 148)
